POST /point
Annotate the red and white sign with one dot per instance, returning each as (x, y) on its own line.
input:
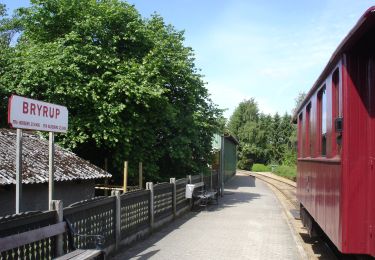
(32, 114)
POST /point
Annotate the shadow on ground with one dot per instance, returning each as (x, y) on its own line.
(232, 194)
(240, 181)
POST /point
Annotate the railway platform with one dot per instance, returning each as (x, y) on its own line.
(248, 223)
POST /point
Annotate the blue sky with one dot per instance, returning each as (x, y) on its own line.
(268, 50)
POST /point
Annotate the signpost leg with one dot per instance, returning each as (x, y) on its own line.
(51, 154)
(19, 171)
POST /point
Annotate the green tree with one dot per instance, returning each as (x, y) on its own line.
(263, 138)
(243, 124)
(298, 101)
(5, 52)
(246, 111)
(130, 84)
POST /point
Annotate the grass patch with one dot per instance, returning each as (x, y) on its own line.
(258, 167)
(289, 172)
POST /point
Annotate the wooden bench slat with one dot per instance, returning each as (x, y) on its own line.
(70, 255)
(24, 238)
(211, 193)
(81, 254)
(198, 184)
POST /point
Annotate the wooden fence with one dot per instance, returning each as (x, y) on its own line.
(120, 218)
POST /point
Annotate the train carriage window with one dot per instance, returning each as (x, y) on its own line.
(300, 138)
(322, 119)
(335, 109)
(308, 145)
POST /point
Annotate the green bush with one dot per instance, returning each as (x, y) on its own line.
(285, 171)
(245, 164)
(258, 167)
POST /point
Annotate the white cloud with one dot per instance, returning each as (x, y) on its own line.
(265, 106)
(270, 62)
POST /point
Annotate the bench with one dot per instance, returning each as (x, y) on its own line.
(24, 238)
(198, 192)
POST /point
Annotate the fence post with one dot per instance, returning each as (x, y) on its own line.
(117, 218)
(173, 181)
(190, 182)
(150, 186)
(57, 205)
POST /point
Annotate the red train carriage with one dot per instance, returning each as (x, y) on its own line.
(336, 144)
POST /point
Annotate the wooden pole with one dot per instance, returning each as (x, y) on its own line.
(51, 153)
(173, 181)
(57, 205)
(140, 170)
(118, 218)
(19, 171)
(125, 176)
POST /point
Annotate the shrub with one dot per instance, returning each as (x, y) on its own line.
(245, 164)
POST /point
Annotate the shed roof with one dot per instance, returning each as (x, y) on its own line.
(68, 166)
(231, 138)
(364, 23)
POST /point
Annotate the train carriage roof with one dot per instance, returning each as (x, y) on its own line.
(363, 25)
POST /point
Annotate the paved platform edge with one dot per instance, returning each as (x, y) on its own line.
(288, 218)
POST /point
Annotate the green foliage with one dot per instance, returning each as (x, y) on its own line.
(258, 167)
(298, 101)
(245, 163)
(290, 157)
(263, 138)
(131, 86)
(243, 118)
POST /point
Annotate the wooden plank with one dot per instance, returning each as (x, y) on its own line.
(198, 184)
(11, 222)
(70, 255)
(78, 207)
(81, 254)
(88, 254)
(210, 193)
(28, 237)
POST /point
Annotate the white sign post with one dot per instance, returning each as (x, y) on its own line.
(19, 171)
(26, 113)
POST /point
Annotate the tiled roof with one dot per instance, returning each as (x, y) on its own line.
(68, 166)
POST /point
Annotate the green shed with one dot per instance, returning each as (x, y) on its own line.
(226, 156)
(229, 157)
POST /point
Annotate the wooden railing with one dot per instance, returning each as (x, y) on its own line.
(120, 218)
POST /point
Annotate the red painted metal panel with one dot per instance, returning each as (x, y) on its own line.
(358, 217)
(319, 184)
(338, 190)
(371, 183)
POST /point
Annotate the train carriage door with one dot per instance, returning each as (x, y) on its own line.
(371, 149)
